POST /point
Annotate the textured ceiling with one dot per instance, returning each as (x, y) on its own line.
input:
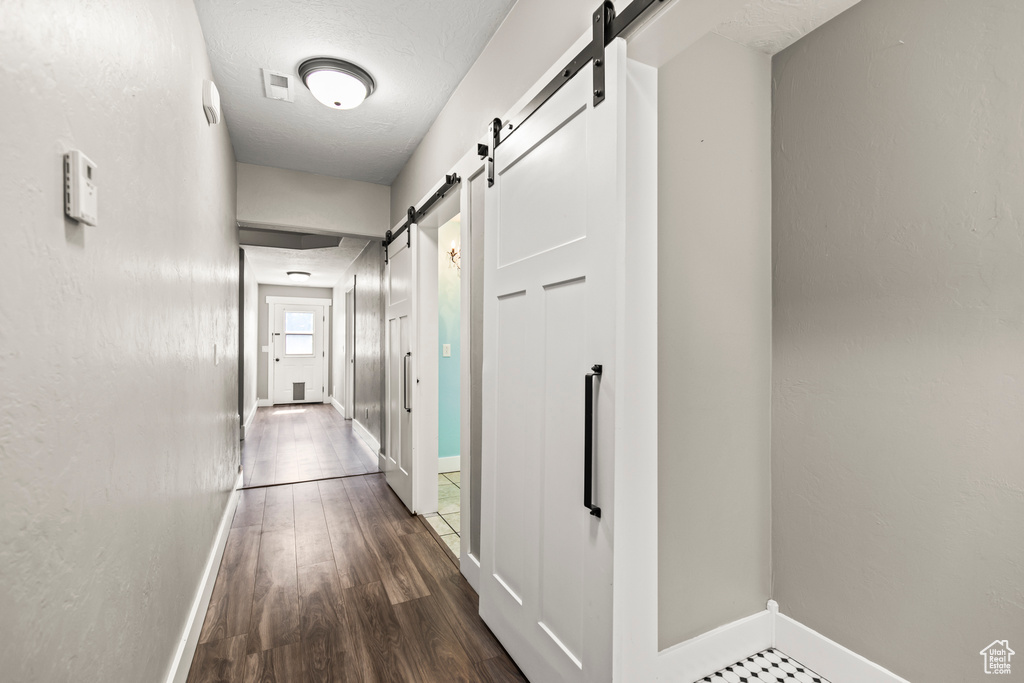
(773, 25)
(326, 266)
(417, 51)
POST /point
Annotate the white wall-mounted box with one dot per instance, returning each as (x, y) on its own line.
(80, 201)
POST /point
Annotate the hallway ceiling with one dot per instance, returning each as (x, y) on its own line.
(771, 26)
(327, 266)
(417, 50)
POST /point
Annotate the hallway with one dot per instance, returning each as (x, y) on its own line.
(302, 442)
(335, 581)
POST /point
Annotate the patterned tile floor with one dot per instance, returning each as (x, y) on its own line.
(770, 666)
(448, 518)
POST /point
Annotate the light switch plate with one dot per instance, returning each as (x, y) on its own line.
(446, 350)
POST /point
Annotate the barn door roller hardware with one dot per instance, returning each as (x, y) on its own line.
(607, 26)
(414, 215)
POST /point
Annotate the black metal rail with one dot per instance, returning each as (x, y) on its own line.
(414, 215)
(607, 26)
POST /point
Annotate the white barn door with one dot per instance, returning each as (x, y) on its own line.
(399, 376)
(553, 222)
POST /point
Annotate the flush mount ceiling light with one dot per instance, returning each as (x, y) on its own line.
(298, 275)
(336, 83)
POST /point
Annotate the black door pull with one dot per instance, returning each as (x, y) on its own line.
(588, 443)
(405, 382)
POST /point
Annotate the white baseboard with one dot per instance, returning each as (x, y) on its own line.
(827, 657)
(186, 649)
(249, 419)
(698, 657)
(709, 652)
(448, 464)
(337, 406)
(368, 439)
(264, 403)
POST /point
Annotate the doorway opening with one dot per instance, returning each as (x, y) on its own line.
(449, 382)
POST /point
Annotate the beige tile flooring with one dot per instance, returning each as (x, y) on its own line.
(447, 521)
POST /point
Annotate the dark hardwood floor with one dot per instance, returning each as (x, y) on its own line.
(335, 581)
(302, 442)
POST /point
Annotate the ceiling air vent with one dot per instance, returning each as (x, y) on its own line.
(278, 86)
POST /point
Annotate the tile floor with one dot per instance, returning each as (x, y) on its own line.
(447, 521)
(770, 666)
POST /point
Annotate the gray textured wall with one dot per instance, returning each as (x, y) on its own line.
(368, 270)
(714, 337)
(897, 438)
(263, 327)
(118, 425)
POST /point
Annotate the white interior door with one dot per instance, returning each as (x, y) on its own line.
(553, 218)
(300, 355)
(399, 379)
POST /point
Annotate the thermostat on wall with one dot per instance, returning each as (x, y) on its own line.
(80, 187)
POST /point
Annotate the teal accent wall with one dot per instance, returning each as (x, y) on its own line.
(448, 330)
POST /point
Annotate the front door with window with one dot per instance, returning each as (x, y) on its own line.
(300, 356)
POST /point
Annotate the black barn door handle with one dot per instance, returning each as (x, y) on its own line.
(405, 382)
(588, 443)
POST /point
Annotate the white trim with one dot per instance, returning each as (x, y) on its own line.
(449, 463)
(827, 657)
(348, 359)
(364, 434)
(337, 406)
(182, 661)
(709, 652)
(712, 651)
(248, 420)
(297, 300)
(264, 403)
(471, 173)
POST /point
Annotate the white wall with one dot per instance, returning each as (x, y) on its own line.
(714, 337)
(118, 430)
(277, 197)
(899, 329)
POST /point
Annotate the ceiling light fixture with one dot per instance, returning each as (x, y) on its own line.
(298, 275)
(336, 83)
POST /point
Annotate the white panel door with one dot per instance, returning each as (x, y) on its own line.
(299, 353)
(399, 376)
(553, 219)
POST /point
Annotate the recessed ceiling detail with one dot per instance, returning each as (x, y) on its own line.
(418, 52)
(325, 266)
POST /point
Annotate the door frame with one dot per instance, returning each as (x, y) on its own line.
(304, 301)
(349, 360)
(425, 464)
(472, 170)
